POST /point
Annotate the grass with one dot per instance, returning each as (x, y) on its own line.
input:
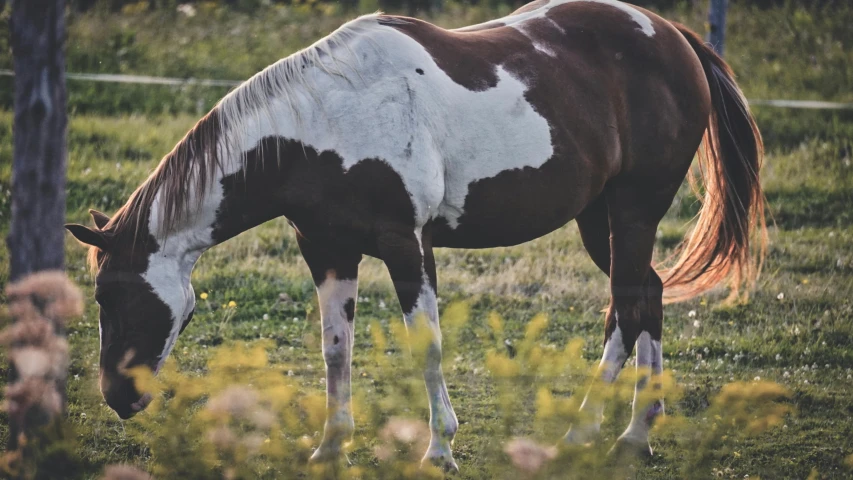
(796, 329)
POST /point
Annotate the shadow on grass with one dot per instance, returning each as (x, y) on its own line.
(810, 207)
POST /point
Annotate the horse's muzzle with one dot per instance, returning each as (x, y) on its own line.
(121, 395)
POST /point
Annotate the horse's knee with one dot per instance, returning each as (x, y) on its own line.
(336, 345)
(451, 426)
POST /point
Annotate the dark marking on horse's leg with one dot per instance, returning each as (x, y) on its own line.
(349, 309)
(401, 252)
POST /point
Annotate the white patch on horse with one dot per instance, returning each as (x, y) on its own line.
(614, 356)
(488, 133)
(657, 357)
(389, 112)
(644, 350)
(515, 20)
(643, 413)
(165, 277)
(170, 268)
(593, 405)
(544, 49)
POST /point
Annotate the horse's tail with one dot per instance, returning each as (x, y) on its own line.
(732, 210)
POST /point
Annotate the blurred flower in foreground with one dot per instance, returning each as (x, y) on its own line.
(187, 9)
(401, 434)
(529, 456)
(241, 403)
(125, 472)
(40, 304)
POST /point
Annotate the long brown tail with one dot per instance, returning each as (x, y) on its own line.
(732, 211)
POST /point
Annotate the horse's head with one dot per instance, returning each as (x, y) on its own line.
(145, 301)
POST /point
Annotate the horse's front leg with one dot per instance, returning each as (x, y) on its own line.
(409, 258)
(335, 276)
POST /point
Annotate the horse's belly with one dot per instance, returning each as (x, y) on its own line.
(516, 206)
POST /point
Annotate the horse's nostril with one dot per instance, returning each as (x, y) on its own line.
(121, 395)
(143, 402)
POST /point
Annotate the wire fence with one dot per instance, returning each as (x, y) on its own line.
(149, 80)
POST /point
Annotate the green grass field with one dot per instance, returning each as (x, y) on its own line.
(797, 328)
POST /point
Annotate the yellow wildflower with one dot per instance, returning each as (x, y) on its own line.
(203, 296)
(232, 304)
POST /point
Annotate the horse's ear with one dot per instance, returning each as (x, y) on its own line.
(99, 218)
(88, 236)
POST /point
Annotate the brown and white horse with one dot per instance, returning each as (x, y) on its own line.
(392, 136)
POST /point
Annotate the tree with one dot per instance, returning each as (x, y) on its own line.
(36, 238)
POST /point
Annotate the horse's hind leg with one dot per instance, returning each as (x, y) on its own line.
(635, 313)
(636, 295)
(594, 226)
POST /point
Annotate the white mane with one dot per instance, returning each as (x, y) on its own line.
(282, 78)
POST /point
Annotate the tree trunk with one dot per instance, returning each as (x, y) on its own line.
(36, 236)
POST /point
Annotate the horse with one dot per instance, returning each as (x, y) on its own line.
(391, 137)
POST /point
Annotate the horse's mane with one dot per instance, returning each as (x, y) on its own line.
(188, 171)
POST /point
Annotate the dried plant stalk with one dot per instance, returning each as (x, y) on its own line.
(39, 305)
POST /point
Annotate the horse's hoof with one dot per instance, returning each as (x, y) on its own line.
(442, 460)
(627, 448)
(580, 436)
(328, 454)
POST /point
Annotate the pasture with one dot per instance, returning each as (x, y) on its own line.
(795, 330)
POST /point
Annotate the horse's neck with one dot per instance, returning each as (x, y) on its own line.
(227, 206)
(186, 241)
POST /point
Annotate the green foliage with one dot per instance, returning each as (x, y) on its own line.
(247, 418)
(804, 52)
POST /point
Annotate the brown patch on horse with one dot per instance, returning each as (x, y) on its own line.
(146, 321)
(283, 177)
(598, 91)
